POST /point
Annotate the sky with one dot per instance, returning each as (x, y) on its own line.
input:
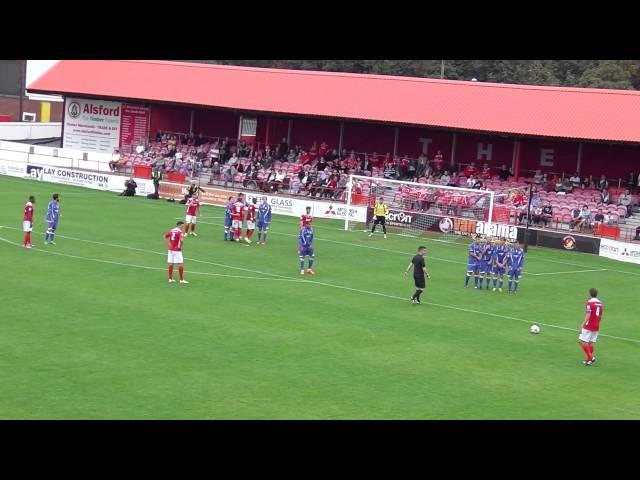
(35, 68)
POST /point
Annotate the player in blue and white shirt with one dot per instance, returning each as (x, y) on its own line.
(52, 216)
(228, 233)
(473, 262)
(500, 260)
(516, 264)
(486, 262)
(264, 219)
(305, 248)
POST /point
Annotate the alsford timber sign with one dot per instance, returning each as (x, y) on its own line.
(91, 125)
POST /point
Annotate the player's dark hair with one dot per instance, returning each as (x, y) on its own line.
(55, 196)
(180, 222)
(308, 208)
(422, 247)
(254, 200)
(230, 198)
(593, 292)
(32, 198)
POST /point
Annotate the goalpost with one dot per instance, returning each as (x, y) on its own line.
(417, 208)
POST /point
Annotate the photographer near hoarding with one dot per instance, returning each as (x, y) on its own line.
(129, 188)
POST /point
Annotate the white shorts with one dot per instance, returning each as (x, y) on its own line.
(251, 225)
(26, 226)
(174, 257)
(236, 224)
(588, 336)
(190, 219)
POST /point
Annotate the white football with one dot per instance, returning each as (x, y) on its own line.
(534, 329)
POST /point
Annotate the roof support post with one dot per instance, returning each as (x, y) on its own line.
(579, 157)
(341, 139)
(289, 133)
(516, 160)
(395, 141)
(193, 116)
(266, 133)
(453, 148)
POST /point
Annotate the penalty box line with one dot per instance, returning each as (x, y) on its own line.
(316, 282)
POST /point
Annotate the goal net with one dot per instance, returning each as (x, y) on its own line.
(419, 208)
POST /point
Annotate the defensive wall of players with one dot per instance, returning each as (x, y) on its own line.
(64, 166)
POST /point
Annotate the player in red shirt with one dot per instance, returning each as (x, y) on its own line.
(174, 238)
(27, 221)
(306, 219)
(237, 216)
(590, 326)
(193, 208)
(251, 219)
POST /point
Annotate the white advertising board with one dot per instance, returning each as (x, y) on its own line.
(622, 251)
(91, 125)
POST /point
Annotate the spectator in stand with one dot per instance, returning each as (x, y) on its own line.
(422, 166)
(631, 181)
(303, 179)
(455, 180)
(603, 183)
(390, 171)
(626, 201)
(304, 157)
(575, 218)
(296, 185)
(477, 184)
(323, 150)
(403, 168)
(322, 164)
(330, 188)
(214, 153)
(292, 157)
(313, 151)
(366, 165)
(587, 182)
(486, 172)
(504, 173)
(565, 186)
(229, 174)
(638, 183)
(438, 160)
(538, 177)
(575, 180)
(280, 176)
(234, 160)
(598, 219)
(116, 160)
(270, 181)
(470, 170)
(470, 181)
(547, 213)
(159, 136)
(412, 168)
(341, 188)
(333, 156)
(637, 237)
(445, 178)
(585, 218)
(199, 141)
(605, 198)
(283, 148)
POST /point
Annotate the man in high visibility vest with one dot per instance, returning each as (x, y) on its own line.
(380, 211)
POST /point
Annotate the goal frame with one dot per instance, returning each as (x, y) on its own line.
(474, 191)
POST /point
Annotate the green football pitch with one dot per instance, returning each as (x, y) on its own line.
(91, 329)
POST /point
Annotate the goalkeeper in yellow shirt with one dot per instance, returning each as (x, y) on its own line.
(380, 211)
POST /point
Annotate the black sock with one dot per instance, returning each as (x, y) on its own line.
(415, 295)
(418, 293)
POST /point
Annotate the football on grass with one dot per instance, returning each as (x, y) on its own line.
(534, 329)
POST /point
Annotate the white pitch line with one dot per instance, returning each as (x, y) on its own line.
(572, 271)
(342, 287)
(78, 257)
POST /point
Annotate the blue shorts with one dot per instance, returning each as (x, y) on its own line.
(485, 267)
(305, 251)
(498, 270)
(52, 224)
(473, 267)
(516, 272)
(227, 221)
(262, 225)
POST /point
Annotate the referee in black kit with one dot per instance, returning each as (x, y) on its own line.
(419, 273)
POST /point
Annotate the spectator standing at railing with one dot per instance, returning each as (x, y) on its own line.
(366, 165)
(626, 201)
(292, 157)
(304, 157)
(390, 170)
(421, 168)
(313, 152)
(445, 178)
(575, 180)
(470, 170)
(283, 148)
(603, 183)
(323, 150)
(438, 160)
(199, 141)
(504, 173)
(454, 181)
(412, 169)
(631, 181)
(322, 164)
(332, 156)
(485, 174)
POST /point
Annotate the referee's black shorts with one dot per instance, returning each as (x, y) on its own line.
(420, 281)
(379, 220)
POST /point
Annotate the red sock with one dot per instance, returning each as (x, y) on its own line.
(591, 347)
(238, 232)
(587, 350)
(27, 238)
(249, 233)
(171, 270)
(181, 272)
(193, 227)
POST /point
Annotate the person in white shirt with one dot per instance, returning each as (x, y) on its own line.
(575, 180)
(471, 181)
(445, 178)
(626, 201)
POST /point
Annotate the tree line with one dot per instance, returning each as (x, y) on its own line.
(616, 74)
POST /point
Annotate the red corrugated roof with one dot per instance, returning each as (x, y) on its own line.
(578, 113)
